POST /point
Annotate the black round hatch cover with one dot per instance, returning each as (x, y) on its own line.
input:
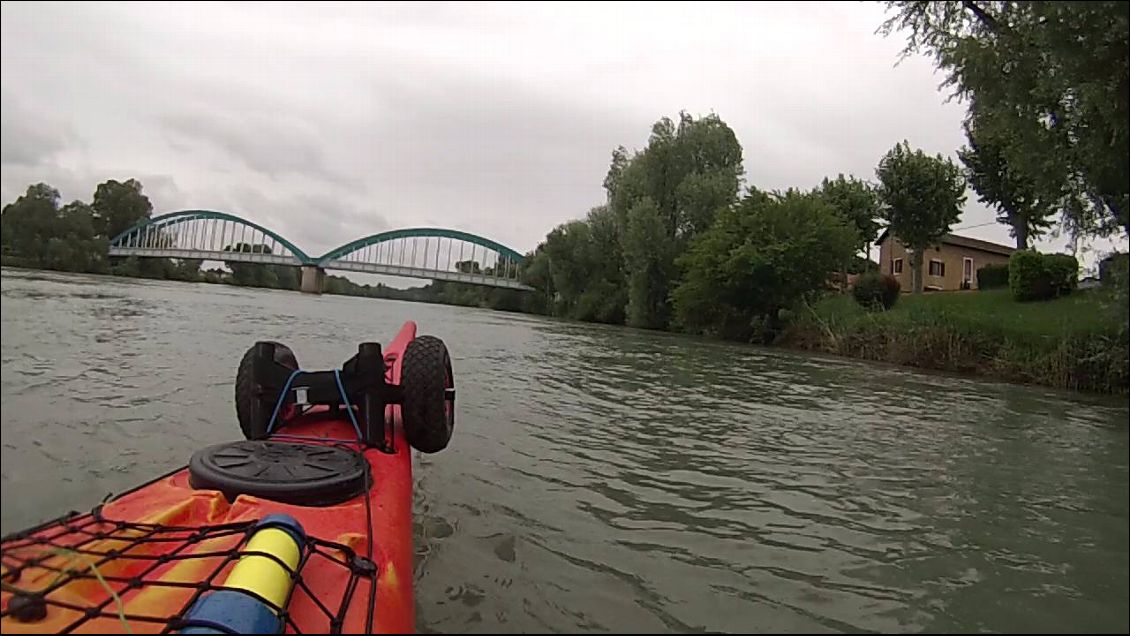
(299, 474)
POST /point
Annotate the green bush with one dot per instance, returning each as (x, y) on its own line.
(1114, 268)
(1026, 276)
(876, 290)
(1063, 272)
(1035, 276)
(992, 277)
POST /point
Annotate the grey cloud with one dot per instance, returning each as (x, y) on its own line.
(485, 154)
(274, 145)
(70, 184)
(328, 122)
(162, 189)
(30, 136)
(315, 222)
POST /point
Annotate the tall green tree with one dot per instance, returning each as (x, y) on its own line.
(686, 175)
(84, 251)
(118, 206)
(606, 296)
(921, 198)
(760, 256)
(535, 273)
(29, 222)
(1019, 201)
(565, 251)
(690, 171)
(855, 201)
(649, 259)
(1055, 77)
(580, 266)
(36, 232)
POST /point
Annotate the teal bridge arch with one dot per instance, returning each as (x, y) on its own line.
(421, 252)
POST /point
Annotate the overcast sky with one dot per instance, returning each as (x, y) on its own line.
(327, 122)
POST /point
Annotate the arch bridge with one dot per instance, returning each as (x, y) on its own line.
(427, 253)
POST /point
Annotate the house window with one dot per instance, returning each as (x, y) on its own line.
(896, 266)
(937, 268)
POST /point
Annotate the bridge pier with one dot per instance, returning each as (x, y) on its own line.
(313, 279)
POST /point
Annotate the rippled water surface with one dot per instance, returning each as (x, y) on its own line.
(607, 479)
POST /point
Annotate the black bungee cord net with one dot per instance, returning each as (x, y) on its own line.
(79, 550)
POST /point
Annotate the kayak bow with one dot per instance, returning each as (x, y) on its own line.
(305, 526)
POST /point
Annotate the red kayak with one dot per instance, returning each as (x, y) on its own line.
(305, 526)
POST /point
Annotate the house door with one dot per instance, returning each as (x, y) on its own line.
(967, 272)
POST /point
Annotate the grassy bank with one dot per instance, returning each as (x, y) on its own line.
(1074, 342)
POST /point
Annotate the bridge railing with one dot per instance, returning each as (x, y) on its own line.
(209, 236)
(439, 254)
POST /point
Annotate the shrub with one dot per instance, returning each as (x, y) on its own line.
(992, 277)
(876, 290)
(1114, 268)
(1035, 276)
(1063, 273)
(1026, 276)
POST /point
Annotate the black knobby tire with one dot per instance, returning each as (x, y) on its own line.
(253, 421)
(425, 374)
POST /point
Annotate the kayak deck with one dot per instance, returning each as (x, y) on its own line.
(139, 562)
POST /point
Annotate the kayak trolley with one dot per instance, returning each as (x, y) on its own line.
(271, 389)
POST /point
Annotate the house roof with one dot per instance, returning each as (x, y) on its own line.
(978, 244)
(964, 241)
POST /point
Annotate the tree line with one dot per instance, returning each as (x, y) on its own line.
(682, 244)
(679, 244)
(36, 231)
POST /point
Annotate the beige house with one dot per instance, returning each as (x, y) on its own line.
(950, 265)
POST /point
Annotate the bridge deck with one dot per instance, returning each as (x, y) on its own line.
(207, 255)
(421, 272)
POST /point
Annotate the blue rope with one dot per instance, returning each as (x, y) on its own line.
(348, 406)
(340, 388)
(279, 402)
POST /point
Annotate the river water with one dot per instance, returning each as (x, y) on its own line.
(607, 479)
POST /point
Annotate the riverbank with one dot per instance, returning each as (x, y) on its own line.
(1070, 343)
(281, 277)
(1073, 342)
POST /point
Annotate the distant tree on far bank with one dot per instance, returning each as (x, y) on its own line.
(921, 198)
(118, 206)
(1019, 201)
(261, 274)
(759, 257)
(855, 201)
(36, 232)
(664, 195)
(1052, 79)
